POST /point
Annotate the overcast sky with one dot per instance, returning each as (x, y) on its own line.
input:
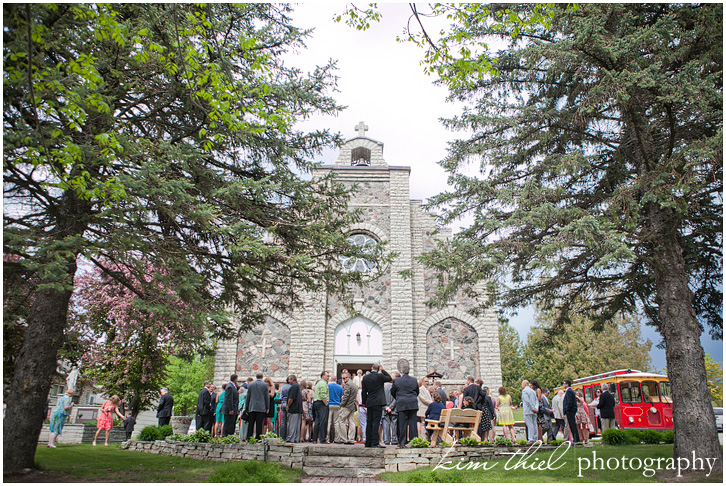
(382, 83)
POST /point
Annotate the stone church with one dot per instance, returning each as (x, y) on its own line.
(390, 320)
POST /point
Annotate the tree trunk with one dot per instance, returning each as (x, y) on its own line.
(694, 424)
(34, 369)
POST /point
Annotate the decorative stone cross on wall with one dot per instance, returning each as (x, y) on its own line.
(452, 349)
(361, 127)
(265, 334)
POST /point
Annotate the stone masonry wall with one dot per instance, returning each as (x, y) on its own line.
(325, 461)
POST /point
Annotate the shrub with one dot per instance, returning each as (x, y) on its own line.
(521, 442)
(165, 431)
(620, 437)
(179, 437)
(557, 442)
(651, 437)
(252, 440)
(469, 442)
(419, 442)
(150, 432)
(444, 444)
(230, 439)
(199, 436)
(668, 437)
(438, 476)
(486, 443)
(269, 435)
(634, 436)
(502, 441)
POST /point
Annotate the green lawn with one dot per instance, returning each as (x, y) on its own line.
(562, 469)
(83, 462)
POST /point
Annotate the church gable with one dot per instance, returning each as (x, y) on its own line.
(361, 151)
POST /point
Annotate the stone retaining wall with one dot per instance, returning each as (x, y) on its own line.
(354, 462)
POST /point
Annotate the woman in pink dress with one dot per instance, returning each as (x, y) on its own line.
(105, 417)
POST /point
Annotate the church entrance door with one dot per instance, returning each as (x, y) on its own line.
(358, 345)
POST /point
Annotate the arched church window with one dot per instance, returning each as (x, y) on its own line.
(360, 263)
(360, 156)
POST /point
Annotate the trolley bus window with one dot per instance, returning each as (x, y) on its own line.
(665, 391)
(588, 394)
(630, 391)
(650, 392)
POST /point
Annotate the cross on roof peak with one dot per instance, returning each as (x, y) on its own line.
(361, 128)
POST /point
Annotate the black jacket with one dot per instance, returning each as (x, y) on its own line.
(166, 404)
(204, 402)
(231, 399)
(569, 402)
(475, 392)
(405, 391)
(372, 393)
(606, 405)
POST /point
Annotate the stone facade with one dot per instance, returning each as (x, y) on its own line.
(390, 319)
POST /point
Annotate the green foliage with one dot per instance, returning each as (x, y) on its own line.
(444, 444)
(501, 441)
(521, 442)
(634, 436)
(621, 437)
(230, 439)
(668, 436)
(419, 442)
(469, 442)
(184, 379)
(269, 435)
(166, 131)
(436, 476)
(150, 432)
(557, 442)
(567, 195)
(578, 350)
(651, 437)
(251, 472)
(153, 432)
(252, 440)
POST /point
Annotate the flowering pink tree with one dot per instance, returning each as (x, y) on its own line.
(128, 330)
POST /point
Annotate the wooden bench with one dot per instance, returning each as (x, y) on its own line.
(467, 419)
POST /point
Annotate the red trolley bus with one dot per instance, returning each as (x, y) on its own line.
(642, 400)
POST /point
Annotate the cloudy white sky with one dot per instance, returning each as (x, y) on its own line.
(382, 83)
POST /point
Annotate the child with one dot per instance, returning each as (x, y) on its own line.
(129, 423)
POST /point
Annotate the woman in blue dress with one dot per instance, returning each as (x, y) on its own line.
(59, 416)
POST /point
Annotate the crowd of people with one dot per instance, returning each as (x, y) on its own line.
(374, 408)
(570, 412)
(378, 409)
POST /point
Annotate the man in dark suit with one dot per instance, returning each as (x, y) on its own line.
(257, 404)
(405, 391)
(607, 409)
(204, 408)
(230, 407)
(569, 407)
(166, 405)
(474, 391)
(374, 399)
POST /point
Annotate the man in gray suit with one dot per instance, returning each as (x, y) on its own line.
(530, 406)
(257, 404)
(390, 415)
(344, 426)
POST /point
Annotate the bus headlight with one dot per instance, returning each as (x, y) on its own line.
(653, 410)
(631, 420)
